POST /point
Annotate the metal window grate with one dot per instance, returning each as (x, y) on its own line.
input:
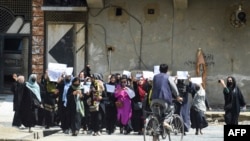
(9, 9)
(65, 16)
(7, 18)
(19, 7)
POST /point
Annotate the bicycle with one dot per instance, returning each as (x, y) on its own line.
(154, 129)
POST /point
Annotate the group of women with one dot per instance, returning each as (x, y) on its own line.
(84, 102)
(81, 102)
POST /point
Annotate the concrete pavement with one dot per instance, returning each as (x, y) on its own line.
(211, 133)
(7, 132)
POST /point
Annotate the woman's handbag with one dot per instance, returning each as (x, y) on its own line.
(119, 104)
(94, 108)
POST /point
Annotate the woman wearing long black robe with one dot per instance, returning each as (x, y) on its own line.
(111, 108)
(234, 100)
(182, 109)
(18, 92)
(31, 101)
(141, 87)
(75, 116)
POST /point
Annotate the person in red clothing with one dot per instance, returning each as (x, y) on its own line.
(141, 87)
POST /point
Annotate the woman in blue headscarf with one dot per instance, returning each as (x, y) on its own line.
(30, 103)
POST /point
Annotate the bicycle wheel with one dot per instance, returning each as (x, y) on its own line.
(151, 132)
(177, 127)
(164, 133)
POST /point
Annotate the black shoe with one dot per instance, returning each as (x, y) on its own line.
(75, 133)
(121, 130)
(126, 132)
(30, 131)
(66, 131)
(109, 132)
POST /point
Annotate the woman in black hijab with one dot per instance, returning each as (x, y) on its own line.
(31, 101)
(75, 106)
(233, 100)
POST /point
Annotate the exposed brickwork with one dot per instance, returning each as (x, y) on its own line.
(38, 21)
(37, 12)
(37, 59)
(38, 30)
(37, 3)
(37, 38)
(37, 69)
(37, 49)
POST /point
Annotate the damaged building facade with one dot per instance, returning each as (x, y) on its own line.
(116, 35)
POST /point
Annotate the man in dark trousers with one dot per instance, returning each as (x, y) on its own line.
(164, 89)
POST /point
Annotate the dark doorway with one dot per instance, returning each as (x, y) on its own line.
(11, 61)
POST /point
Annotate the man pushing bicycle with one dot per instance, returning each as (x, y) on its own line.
(164, 89)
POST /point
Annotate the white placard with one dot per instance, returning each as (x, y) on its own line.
(138, 75)
(156, 69)
(172, 77)
(197, 80)
(55, 71)
(57, 66)
(110, 88)
(54, 75)
(69, 71)
(182, 74)
(128, 73)
(148, 74)
(86, 88)
(131, 93)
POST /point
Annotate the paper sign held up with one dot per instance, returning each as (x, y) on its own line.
(182, 74)
(110, 88)
(128, 73)
(69, 71)
(55, 70)
(156, 69)
(148, 74)
(197, 80)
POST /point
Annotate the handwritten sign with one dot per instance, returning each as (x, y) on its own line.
(182, 74)
(55, 71)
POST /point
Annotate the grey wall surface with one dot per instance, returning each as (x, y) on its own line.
(172, 36)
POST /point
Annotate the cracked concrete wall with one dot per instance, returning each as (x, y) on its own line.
(172, 37)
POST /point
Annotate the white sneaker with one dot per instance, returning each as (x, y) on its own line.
(99, 133)
(22, 127)
(89, 132)
(84, 132)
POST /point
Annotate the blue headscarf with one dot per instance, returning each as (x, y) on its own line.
(65, 90)
(33, 86)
